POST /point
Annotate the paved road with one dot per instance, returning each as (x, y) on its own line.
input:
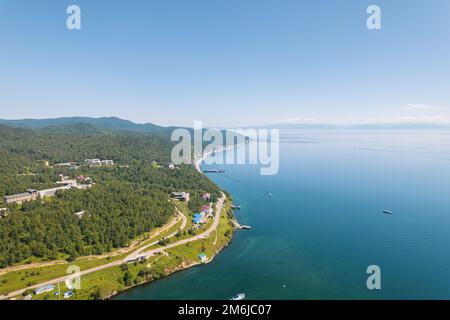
(109, 254)
(137, 253)
(203, 235)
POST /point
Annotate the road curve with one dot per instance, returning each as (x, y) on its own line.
(219, 207)
(135, 254)
(203, 235)
(109, 254)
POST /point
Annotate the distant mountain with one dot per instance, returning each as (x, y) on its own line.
(373, 126)
(86, 124)
(79, 127)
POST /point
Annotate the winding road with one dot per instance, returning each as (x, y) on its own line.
(137, 253)
(97, 257)
(203, 235)
(134, 255)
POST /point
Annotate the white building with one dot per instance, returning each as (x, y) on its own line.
(93, 162)
(183, 196)
(52, 192)
(80, 214)
(98, 162)
(107, 162)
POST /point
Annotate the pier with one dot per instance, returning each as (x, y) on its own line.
(240, 226)
(214, 171)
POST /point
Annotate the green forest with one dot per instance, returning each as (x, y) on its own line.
(127, 199)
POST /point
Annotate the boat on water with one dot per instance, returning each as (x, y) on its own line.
(239, 296)
(236, 206)
(387, 211)
(269, 194)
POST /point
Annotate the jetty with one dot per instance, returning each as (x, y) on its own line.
(240, 226)
(214, 171)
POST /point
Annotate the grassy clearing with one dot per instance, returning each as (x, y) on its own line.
(106, 282)
(137, 242)
(18, 279)
(189, 230)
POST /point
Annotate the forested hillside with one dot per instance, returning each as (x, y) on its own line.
(127, 199)
(105, 124)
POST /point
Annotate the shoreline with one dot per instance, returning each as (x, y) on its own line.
(178, 269)
(221, 149)
(196, 164)
(181, 266)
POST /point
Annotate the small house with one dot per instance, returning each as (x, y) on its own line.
(206, 196)
(183, 196)
(197, 218)
(79, 214)
(44, 289)
(107, 162)
(203, 258)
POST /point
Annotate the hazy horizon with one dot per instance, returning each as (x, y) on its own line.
(228, 64)
(284, 125)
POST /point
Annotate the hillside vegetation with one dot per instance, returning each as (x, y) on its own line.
(128, 199)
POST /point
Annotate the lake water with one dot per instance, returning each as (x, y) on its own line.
(323, 227)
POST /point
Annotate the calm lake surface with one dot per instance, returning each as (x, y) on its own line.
(323, 227)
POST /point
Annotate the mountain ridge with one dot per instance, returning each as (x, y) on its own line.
(105, 123)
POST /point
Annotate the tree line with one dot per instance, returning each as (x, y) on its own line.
(126, 201)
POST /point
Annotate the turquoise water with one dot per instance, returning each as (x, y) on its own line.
(323, 226)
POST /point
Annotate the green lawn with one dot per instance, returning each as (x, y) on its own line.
(109, 281)
(16, 280)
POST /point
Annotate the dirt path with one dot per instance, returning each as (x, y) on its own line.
(96, 257)
(138, 252)
(203, 235)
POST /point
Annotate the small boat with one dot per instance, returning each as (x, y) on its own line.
(387, 212)
(239, 296)
(236, 206)
(269, 194)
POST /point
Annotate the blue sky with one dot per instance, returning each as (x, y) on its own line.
(226, 62)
